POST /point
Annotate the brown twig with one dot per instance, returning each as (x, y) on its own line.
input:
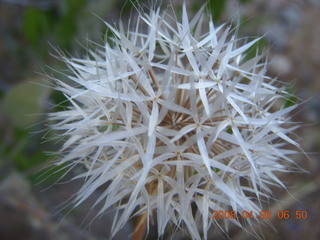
(140, 230)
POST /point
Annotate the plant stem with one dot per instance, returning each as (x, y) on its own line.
(140, 230)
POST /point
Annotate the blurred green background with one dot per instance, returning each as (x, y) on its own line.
(34, 31)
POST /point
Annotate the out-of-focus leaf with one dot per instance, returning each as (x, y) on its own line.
(23, 161)
(67, 27)
(49, 175)
(1, 94)
(66, 30)
(60, 101)
(36, 24)
(290, 98)
(217, 7)
(24, 103)
(258, 47)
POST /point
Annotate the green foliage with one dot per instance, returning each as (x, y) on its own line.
(217, 7)
(66, 27)
(24, 109)
(49, 175)
(24, 103)
(23, 152)
(58, 23)
(290, 98)
(229, 130)
(59, 100)
(37, 23)
(256, 48)
(24, 99)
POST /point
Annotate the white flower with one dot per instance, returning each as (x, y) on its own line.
(177, 120)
